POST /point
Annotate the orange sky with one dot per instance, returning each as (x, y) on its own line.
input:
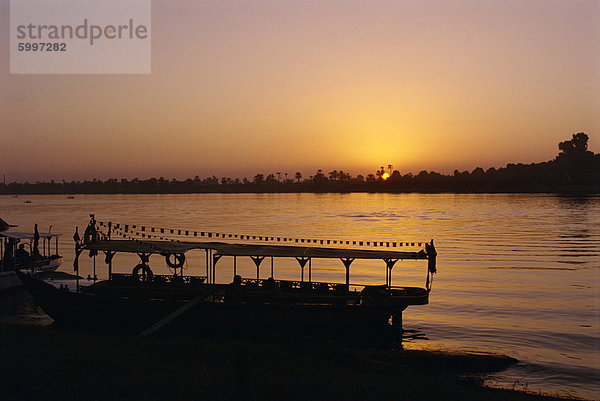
(244, 87)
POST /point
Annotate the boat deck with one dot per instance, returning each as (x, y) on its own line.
(255, 291)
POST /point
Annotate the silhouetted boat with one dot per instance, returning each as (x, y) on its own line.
(5, 226)
(143, 300)
(13, 259)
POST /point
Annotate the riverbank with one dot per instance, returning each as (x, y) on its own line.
(309, 188)
(54, 363)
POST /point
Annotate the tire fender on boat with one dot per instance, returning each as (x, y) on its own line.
(147, 272)
(177, 260)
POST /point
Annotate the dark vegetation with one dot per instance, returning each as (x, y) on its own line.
(575, 169)
(52, 363)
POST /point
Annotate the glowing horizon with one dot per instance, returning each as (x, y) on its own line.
(240, 88)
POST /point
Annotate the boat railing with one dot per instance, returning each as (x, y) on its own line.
(327, 292)
(29, 263)
(322, 286)
(157, 279)
(291, 285)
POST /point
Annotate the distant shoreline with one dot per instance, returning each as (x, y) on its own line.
(573, 190)
(574, 193)
(575, 170)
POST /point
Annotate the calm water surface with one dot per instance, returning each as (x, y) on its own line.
(518, 274)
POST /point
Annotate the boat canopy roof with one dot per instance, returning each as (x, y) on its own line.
(314, 252)
(225, 249)
(22, 235)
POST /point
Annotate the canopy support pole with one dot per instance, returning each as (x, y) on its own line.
(302, 261)
(347, 262)
(216, 257)
(78, 251)
(257, 261)
(108, 261)
(210, 266)
(207, 267)
(389, 264)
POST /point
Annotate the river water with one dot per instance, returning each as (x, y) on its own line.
(518, 274)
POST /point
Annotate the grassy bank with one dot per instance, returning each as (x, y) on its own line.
(53, 363)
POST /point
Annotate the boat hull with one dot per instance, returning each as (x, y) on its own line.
(10, 281)
(141, 312)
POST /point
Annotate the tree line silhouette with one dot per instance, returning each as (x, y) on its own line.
(575, 169)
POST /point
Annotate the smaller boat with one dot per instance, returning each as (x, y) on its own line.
(21, 251)
(5, 226)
